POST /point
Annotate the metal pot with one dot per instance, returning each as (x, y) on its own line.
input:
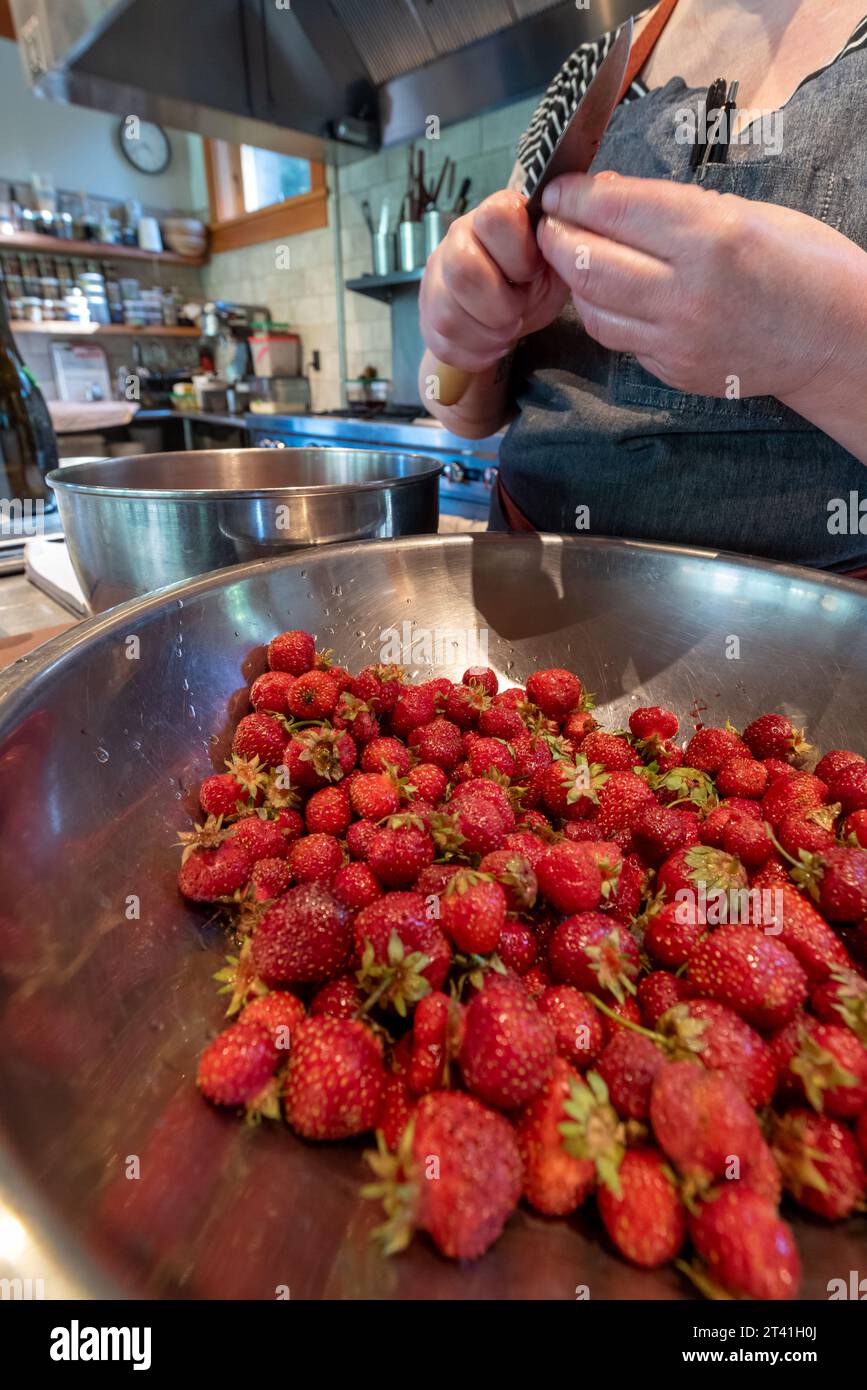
(133, 525)
(106, 993)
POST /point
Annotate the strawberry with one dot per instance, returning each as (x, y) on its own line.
(316, 859)
(328, 812)
(723, 1042)
(488, 755)
(335, 1079)
(437, 1028)
(849, 787)
(237, 1068)
(591, 952)
(339, 998)
(438, 742)
(465, 704)
(293, 652)
(699, 869)
(672, 934)
(536, 980)
(628, 1066)
(400, 850)
(555, 691)
(854, 829)
(577, 727)
(756, 976)
(834, 761)
(660, 830)
(593, 1130)
(808, 829)
(759, 1172)
(260, 736)
(742, 777)
(475, 825)
(525, 844)
(701, 1120)
(234, 792)
(517, 947)
(578, 1030)
(773, 736)
(374, 795)
(647, 1221)
(314, 695)
(501, 721)
(403, 953)
(359, 836)
(747, 1249)
(261, 838)
(490, 790)
(379, 687)
(414, 707)
(305, 936)
(837, 880)
(356, 886)
(555, 1182)
(569, 877)
(620, 801)
(513, 873)
(209, 874)
(508, 1048)
(829, 1069)
(657, 993)
(318, 755)
(617, 1014)
(613, 752)
(354, 716)
(428, 782)
(270, 878)
(795, 922)
(788, 793)
(483, 676)
(277, 1011)
(269, 692)
(820, 1162)
(384, 754)
(570, 788)
(396, 1109)
(456, 1175)
(710, 748)
(685, 786)
(624, 897)
(473, 912)
(775, 767)
(653, 722)
(842, 998)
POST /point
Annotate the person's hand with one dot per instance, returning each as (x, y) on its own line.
(486, 285)
(714, 294)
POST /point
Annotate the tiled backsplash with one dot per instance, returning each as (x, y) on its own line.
(307, 295)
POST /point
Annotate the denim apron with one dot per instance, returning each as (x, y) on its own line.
(649, 462)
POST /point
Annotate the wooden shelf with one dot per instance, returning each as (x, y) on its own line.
(61, 329)
(95, 250)
(384, 287)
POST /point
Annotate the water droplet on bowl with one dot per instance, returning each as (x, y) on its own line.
(102, 755)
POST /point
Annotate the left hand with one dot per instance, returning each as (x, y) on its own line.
(705, 287)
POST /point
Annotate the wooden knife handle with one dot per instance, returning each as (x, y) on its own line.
(453, 382)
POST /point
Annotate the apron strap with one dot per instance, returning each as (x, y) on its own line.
(646, 42)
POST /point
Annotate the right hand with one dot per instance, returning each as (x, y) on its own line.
(487, 285)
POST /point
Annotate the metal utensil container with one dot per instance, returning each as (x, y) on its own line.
(104, 1015)
(137, 524)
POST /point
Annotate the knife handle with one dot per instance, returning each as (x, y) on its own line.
(453, 382)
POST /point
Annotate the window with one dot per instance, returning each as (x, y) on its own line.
(257, 195)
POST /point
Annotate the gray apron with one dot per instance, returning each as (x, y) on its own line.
(649, 462)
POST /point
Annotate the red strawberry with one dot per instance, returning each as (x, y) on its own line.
(475, 825)
(834, 761)
(262, 839)
(621, 800)
(620, 1014)
(855, 829)
(399, 851)
(722, 1041)
(660, 830)
(483, 676)
(788, 793)
(555, 691)
(508, 1048)
(396, 1109)
(437, 1027)
(260, 736)
(701, 870)
(359, 836)
(465, 704)
(305, 936)
(756, 976)
(577, 1025)
(414, 707)
(328, 812)
(646, 1221)
(820, 1163)
(525, 844)
(796, 923)
(473, 912)
(438, 742)
(429, 783)
(829, 1069)
(773, 736)
(277, 1011)
(842, 998)
(555, 1183)
(340, 998)
(849, 787)
(569, 877)
(657, 993)
(456, 1175)
(837, 880)
(501, 721)
(775, 768)
(517, 947)
(270, 878)
(513, 873)
(314, 695)
(742, 777)
(318, 755)
(653, 722)
(624, 898)
(628, 1066)
(490, 791)
(355, 716)
(747, 1249)
(335, 1079)
(293, 652)
(701, 1120)
(594, 953)
(356, 886)
(488, 755)
(237, 1067)
(384, 754)
(710, 748)
(234, 792)
(209, 874)
(612, 751)
(403, 952)
(374, 795)
(379, 687)
(316, 859)
(269, 692)
(570, 788)
(673, 933)
(577, 727)
(808, 829)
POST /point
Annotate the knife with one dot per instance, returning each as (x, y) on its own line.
(573, 153)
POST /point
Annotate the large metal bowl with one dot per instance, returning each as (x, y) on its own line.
(136, 524)
(105, 734)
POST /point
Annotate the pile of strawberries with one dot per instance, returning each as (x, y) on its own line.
(544, 961)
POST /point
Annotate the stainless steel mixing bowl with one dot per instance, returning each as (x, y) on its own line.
(103, 741)
(135, 524)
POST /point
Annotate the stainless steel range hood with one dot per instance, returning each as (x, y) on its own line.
(303, 76)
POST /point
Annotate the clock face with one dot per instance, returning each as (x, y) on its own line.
(145, 144)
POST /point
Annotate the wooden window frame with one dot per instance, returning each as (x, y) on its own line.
(231, 229)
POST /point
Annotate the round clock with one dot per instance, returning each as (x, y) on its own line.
(145, 144)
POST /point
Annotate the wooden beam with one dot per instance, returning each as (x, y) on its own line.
(7, 28)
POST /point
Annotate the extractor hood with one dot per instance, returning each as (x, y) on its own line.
(302, 76)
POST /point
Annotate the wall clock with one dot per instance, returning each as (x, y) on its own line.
(146, 145)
